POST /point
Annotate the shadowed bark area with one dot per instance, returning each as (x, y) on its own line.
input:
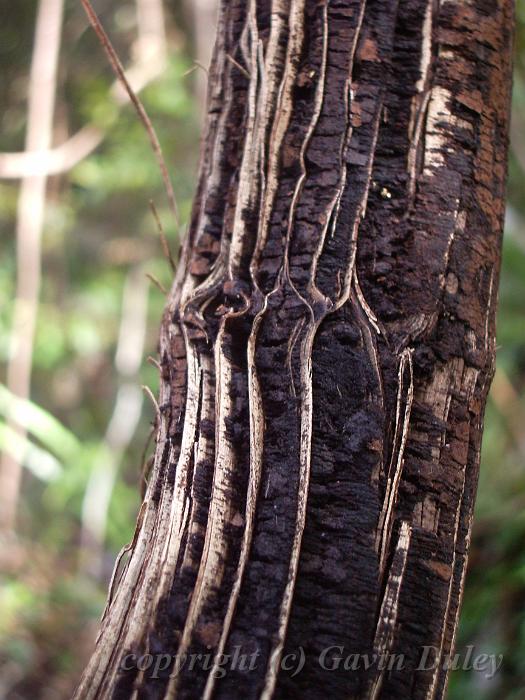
(326, 353)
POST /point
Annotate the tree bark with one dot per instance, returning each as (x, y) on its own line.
(325, 357)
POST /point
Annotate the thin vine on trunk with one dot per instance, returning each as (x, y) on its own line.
(325, 355)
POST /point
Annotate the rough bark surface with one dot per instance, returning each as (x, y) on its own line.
(325, 354)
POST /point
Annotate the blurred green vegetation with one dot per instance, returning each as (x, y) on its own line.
(98, 231)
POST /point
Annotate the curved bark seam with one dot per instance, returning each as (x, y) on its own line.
(390, 604)
(209, 568)
(386, 517)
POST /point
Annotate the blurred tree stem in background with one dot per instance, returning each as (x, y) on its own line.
(150, 61)
(122, 425)
(151, 44)
(30, 221)
(95, 316)
(204, 22)
(36, 164)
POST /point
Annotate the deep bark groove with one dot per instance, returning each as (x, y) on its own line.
(326, 354)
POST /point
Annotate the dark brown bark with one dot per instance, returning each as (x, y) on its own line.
(326, 354)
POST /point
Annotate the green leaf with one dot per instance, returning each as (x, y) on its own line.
(41, 424)
(40, 462)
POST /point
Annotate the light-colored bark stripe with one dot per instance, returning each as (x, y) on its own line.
(282, 116)
(405, 396)
(387, 621)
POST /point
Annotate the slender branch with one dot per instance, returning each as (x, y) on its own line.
(151, 48)
(118, 69)
(157, 283)
(151, 61)
(53, 161)
(163, 240)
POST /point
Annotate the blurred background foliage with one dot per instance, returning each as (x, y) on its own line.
(99, 241)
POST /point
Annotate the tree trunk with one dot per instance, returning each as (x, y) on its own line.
(325, 353)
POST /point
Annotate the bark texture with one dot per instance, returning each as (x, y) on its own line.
(326, 354)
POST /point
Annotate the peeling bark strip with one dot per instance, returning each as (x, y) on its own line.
(326, 354)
